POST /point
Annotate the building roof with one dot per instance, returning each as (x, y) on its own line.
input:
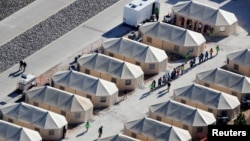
(240, 57)
(33, 115)
(118, 137)
(135, 50)
(208, 97)
(174, 34)
(157, 130)
(227, 79)
(58, 98)
(204, 13)
(83, 82)
(185, 114)
(111, 66)
(13, 132)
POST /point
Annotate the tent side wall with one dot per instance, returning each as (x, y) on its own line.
(132, 134)
(238, 68)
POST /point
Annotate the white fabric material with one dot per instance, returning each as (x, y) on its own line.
(240, 57)
(12, 132)
(111, 66)
(158, 130)
(208, 97)
(174, 34)
(183, 113)
(83, 82)
(58, 98)
(135, 50)
(227, 79)
(34, 115)
(206, 14)
(118, 137)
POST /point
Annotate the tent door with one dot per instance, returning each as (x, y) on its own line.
(153, 8)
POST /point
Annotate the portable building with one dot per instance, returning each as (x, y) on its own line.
(208, 99)
(102, 93)
(75, 108)
(204, 18)
(194, 120)
(226, 81)
(173, 39)
(125, 75)
(152, 60)
(239, 62)
(12, 132)
(137, 12)
(50, 125)
(118, 137)
(148, 129)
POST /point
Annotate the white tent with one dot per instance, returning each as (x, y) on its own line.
(110, 66)
(202, 12)
(12, 132)
(240, 57)
(33, 115)
(226, 79)
(118, 137)
(183, 113)
(174, 34)
(135, 50)
(157, 130)
(83, 82)
(207, 96)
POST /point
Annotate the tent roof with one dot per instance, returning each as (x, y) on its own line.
(228, 79)
(83, 82)
(111, 66)
(136, 50)
(208, 96)
(183, 113)
(174, 34)
(34, 115)
(12, 132)
(58, 98)
(206, 14)
(118, 137)
(158, 130)
(240, 57)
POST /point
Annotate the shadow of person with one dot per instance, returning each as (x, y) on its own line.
(15, 74)
(81, 134)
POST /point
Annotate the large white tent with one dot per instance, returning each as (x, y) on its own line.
(118, 137)
(107, 67)
(136, 53)
(12, 132)
(225, 81)
(150, 129)
(35, 118)
(172, 38)
(61, 102)
(86, 85)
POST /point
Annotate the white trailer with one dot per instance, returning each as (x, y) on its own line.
(138, 11)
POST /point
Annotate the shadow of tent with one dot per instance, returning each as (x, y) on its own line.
(118, 31)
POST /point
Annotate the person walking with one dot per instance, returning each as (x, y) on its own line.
(125, 94)
(211, 52)
(206, 55)
(217, 49)
(24, 65)
(20, 64)
(169, 85)
(87, 125)
(100, 132)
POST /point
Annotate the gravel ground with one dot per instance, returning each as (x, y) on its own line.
(49, 30)
(8, 7)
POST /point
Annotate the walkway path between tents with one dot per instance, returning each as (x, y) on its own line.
(29, 16)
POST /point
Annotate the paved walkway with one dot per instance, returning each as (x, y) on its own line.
(29, 16)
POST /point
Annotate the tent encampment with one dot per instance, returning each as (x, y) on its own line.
(12, 132)
(118, 137)
(49, 124)
(239, 62)
(183, 116)
(102, 93)
(172, 38)
(208, 99)
(148, 129)
(75, 108)
(152, 60)
(126, 76)
(226, 81)
(203, 17)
